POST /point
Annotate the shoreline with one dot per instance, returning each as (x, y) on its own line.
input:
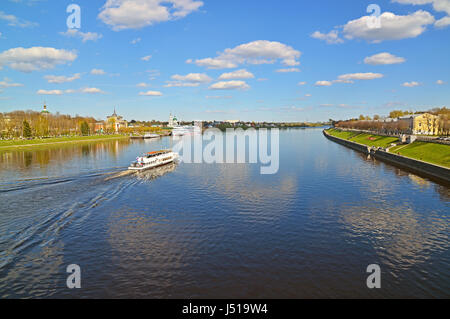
(74, 141)
(416, 166)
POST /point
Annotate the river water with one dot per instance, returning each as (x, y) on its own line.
(219, 230)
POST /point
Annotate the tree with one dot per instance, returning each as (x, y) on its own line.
(376, 117)
(84, 127)
(361, 117)
(26, 129)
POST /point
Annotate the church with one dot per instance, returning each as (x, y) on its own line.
(114, 121)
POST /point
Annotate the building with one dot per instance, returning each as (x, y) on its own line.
(45, 111)
(114, 122)
(425, 124)
(173, 121)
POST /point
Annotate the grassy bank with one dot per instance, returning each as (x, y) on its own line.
(438, 154)
(433, 153)
(14, 144)
(365, 139)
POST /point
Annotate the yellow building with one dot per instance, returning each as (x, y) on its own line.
(422, 124)
(117, 121)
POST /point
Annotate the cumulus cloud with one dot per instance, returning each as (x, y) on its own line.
(35, 58)
(150, 93)
(239, 74)
(256, 52)
(350, 78)
(438, 5)
(331, 37)
(84, 36)
(91, 91)
(142, 85)
(360, 76)
(146, 58)
(383, 58)
(323, 83)
(58, 79)
(14, 21)
(189, 80)
(301, 83)
(7, 83)
(288, 70)
(440, 82)
(136, 14)
(98, 72)
(230, 85)
(411, 84)
(49, 92)
(392, 26)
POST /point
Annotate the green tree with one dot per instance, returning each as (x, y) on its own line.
(26, 129)
(84, 127)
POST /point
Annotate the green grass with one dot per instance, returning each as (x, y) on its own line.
(374, 140)
(438, 154)
(365, 139)
(342, 134)
(47, 141)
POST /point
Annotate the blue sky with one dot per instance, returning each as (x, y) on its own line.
(248, 60)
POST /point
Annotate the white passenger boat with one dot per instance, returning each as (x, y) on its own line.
(153, 159)
(149, 135)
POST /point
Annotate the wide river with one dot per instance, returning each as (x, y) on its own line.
(219, 230)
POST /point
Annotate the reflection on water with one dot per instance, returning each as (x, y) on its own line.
(219, 231)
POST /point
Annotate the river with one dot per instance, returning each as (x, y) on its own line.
(219, 230)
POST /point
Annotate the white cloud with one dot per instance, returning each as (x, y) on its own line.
(239, 74)
(136, 14)
(288, 70)
(84, 36)
(383, 58)
(230, 85)
(189, 80)
(331, 37)
(360, 76)
(411, 84)
(135, 41)
(323, 83)
(256, 52)
(146, 58)
(150, 93)
(50, 92)
(393, 27)
(301, 83)
(7, 83)
(58, 79)
(142, 85)
(98, 72)
(193, 77)
(438, 5)
(91, 91)
(35, 58)
(14, 21)
(440, 82)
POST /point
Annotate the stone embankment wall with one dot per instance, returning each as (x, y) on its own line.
(431, 170)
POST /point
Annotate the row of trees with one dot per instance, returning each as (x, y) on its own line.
(397, 127)
(35, 124)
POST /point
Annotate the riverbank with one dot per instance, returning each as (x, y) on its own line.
(18, 144)
(437, 154)
(441, 172)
